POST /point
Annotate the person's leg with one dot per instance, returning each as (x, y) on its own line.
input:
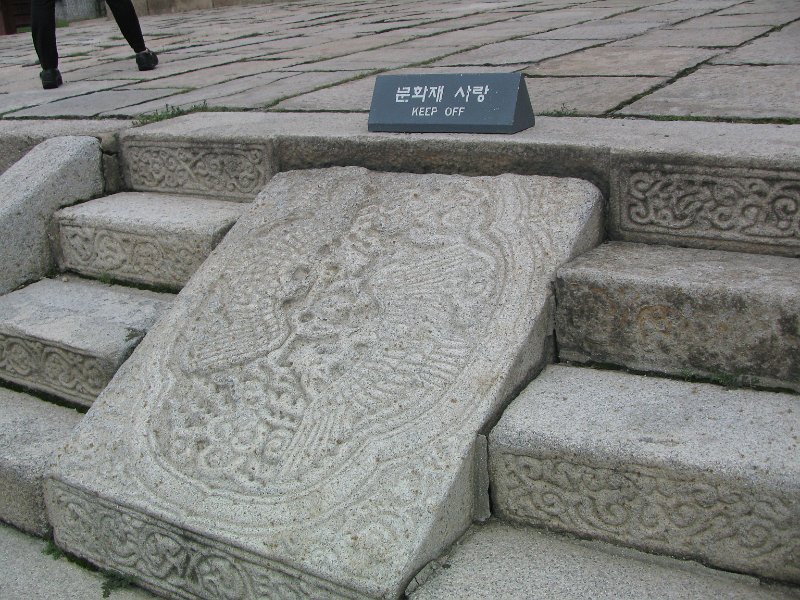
(128, 23)
(43, 31)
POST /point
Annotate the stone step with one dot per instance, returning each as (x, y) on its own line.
(685, 469)
(30, 430)
(731, 317)
(29, 573)
(68, 336)
(144, 238)
(498, 560)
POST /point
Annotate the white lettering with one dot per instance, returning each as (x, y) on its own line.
(424, 111)
(454, 111)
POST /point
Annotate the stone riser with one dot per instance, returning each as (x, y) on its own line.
(729, 317)
(687, 470)
(704, 197)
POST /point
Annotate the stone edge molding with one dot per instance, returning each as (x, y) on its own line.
(411, 493)
(742, 518)
(56, 173)
(713, 206)
(659, 190)
(232, 171)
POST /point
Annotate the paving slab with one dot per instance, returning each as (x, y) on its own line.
(498, 560)
(763, 92)
(696, 38)
(29, 573)
(723, 315)
(778, 48)
(672, 467)
(353, 333)
(515, 52)
(56, 173)
(151, 239)
(607, 29)
(68, 337)
(616, 61)
(30, 431)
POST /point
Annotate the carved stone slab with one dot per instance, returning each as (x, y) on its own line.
(233, 170)
(745, 210)
(724, 315)
(68, 338)
(152, 239)
(686, 469)
(30, 431)
(302, 423)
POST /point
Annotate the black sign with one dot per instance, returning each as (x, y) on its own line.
(466, 102)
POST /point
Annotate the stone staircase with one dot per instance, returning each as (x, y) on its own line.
(63, 338)
(666, 433)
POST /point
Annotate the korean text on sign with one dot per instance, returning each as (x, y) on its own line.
(478, 91)
(421, 93)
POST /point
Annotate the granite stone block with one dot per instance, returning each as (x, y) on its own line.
(685, 469)
(727, 316)
(145, 238)
(57, 173)
(30, 431)
(303, 422)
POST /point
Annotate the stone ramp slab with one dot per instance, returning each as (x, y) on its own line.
(68, 336)
(152, 239)
(685, 469)
(727, 316)
(501, 561)
(30, 431)
(303, 421)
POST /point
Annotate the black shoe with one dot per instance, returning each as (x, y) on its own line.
(146, 60)
(51, 78)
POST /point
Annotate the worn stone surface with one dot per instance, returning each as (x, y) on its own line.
(515, 52)
(30, 431)
(152, 239)
(759, 92)
(19, 137)
(498, 560)
(673, 467)
(778, 48)
(684, 202)
(620, 60)
(68, 337)
(31, 574)
(58, 172)
(723, 315)
(304, 418)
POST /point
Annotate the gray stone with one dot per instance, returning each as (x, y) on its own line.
(29, 573)
(685, 469)
(498, 560)
(725, 315)
(96, 103)
(763, 92)
(151, 239)
(778, 48)
(619, 60)
(68, 337)
(585, 95)
(515, 52)
(686, 201)
(696, 38)
(305, 418)
(58, 172)
(19, 137)
(30, 431)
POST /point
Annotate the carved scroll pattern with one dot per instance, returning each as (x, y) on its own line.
(63, 372)
(725, 204)
(648, 508)
(173, 560)
(131, 256)
(235, 171)
(295, 351)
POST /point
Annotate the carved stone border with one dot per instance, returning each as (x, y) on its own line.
(725, 208)
(233, 171)
(174, 561)
(683, 514)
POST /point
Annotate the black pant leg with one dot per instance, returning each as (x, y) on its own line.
(128, 23)
(43, 31)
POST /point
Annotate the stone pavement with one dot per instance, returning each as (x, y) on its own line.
(710, 59)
